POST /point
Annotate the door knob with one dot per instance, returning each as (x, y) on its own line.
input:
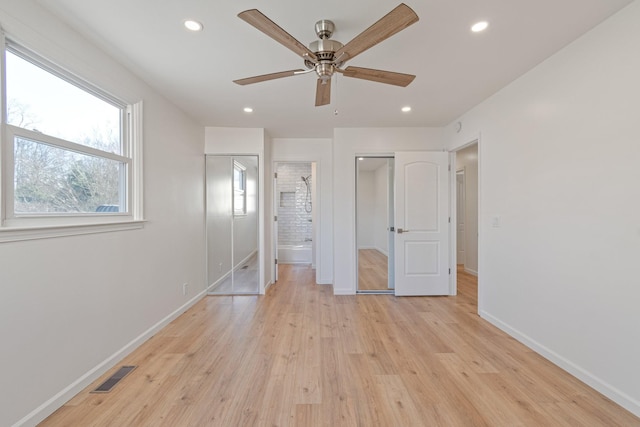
(400, 231)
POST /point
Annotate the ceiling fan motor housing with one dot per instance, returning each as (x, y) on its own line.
(325, 50)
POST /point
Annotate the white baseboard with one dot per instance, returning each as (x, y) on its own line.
(215, 284)
(383, 252)
(267, 287)
(583, 375)
(50, 406)
(470, 271)
(247, 258)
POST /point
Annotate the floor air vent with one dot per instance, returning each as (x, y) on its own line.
(106, 386)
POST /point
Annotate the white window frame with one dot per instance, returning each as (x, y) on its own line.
(34, 226)
(242, 211)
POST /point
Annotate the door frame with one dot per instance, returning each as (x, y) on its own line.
(460, 172)
(454, 219)
(388, 291)
(260, 224)
(452, 235)
(315, 215)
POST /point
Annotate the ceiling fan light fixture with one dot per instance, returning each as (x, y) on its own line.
(478, 27)
(192, 25)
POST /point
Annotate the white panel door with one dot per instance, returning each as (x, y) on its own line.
(422, 223)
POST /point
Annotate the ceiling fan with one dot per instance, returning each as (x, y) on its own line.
(327, 56)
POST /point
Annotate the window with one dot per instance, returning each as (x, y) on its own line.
(239, 189)
(70, 150)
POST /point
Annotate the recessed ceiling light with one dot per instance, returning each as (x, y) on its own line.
(192, 25)
(406, 109)
(479, 26)
(248, 110)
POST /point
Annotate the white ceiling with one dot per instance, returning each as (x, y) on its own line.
(455, 68)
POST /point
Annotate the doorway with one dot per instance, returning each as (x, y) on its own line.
(374, 219)
(295, 213)
(408, 205)
(467, 196)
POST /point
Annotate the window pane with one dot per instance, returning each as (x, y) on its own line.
(237, 179)
(48, 179)
(38, 100)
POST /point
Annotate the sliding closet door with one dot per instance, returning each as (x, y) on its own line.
(219, 221)
(232, 224)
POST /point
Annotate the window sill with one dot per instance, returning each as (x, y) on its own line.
(18, 234)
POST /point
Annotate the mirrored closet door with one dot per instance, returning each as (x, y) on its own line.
(232, 224)
(375, 219)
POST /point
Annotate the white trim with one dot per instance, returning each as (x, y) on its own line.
(48, 232)
(382, 251)
(318, 241)
(582, 374)
(52, 141)
(3, 117)
(56, 401)
(135, 150)
(454, 219)
(470, 271)
(453, 224)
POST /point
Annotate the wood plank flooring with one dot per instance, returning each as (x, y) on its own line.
(301, 356)
(372, 270)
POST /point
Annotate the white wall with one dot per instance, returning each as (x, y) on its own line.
(71, 307)
(348, 143)
(318, 150)
(467, 160)
(559, 170)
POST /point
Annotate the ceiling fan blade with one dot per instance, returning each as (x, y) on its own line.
(323, 92)
(396, 20)
(380, 76)
(255, 18)
(265, 77)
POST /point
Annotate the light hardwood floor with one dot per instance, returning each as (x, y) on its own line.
(301, 356)
(372, 270)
